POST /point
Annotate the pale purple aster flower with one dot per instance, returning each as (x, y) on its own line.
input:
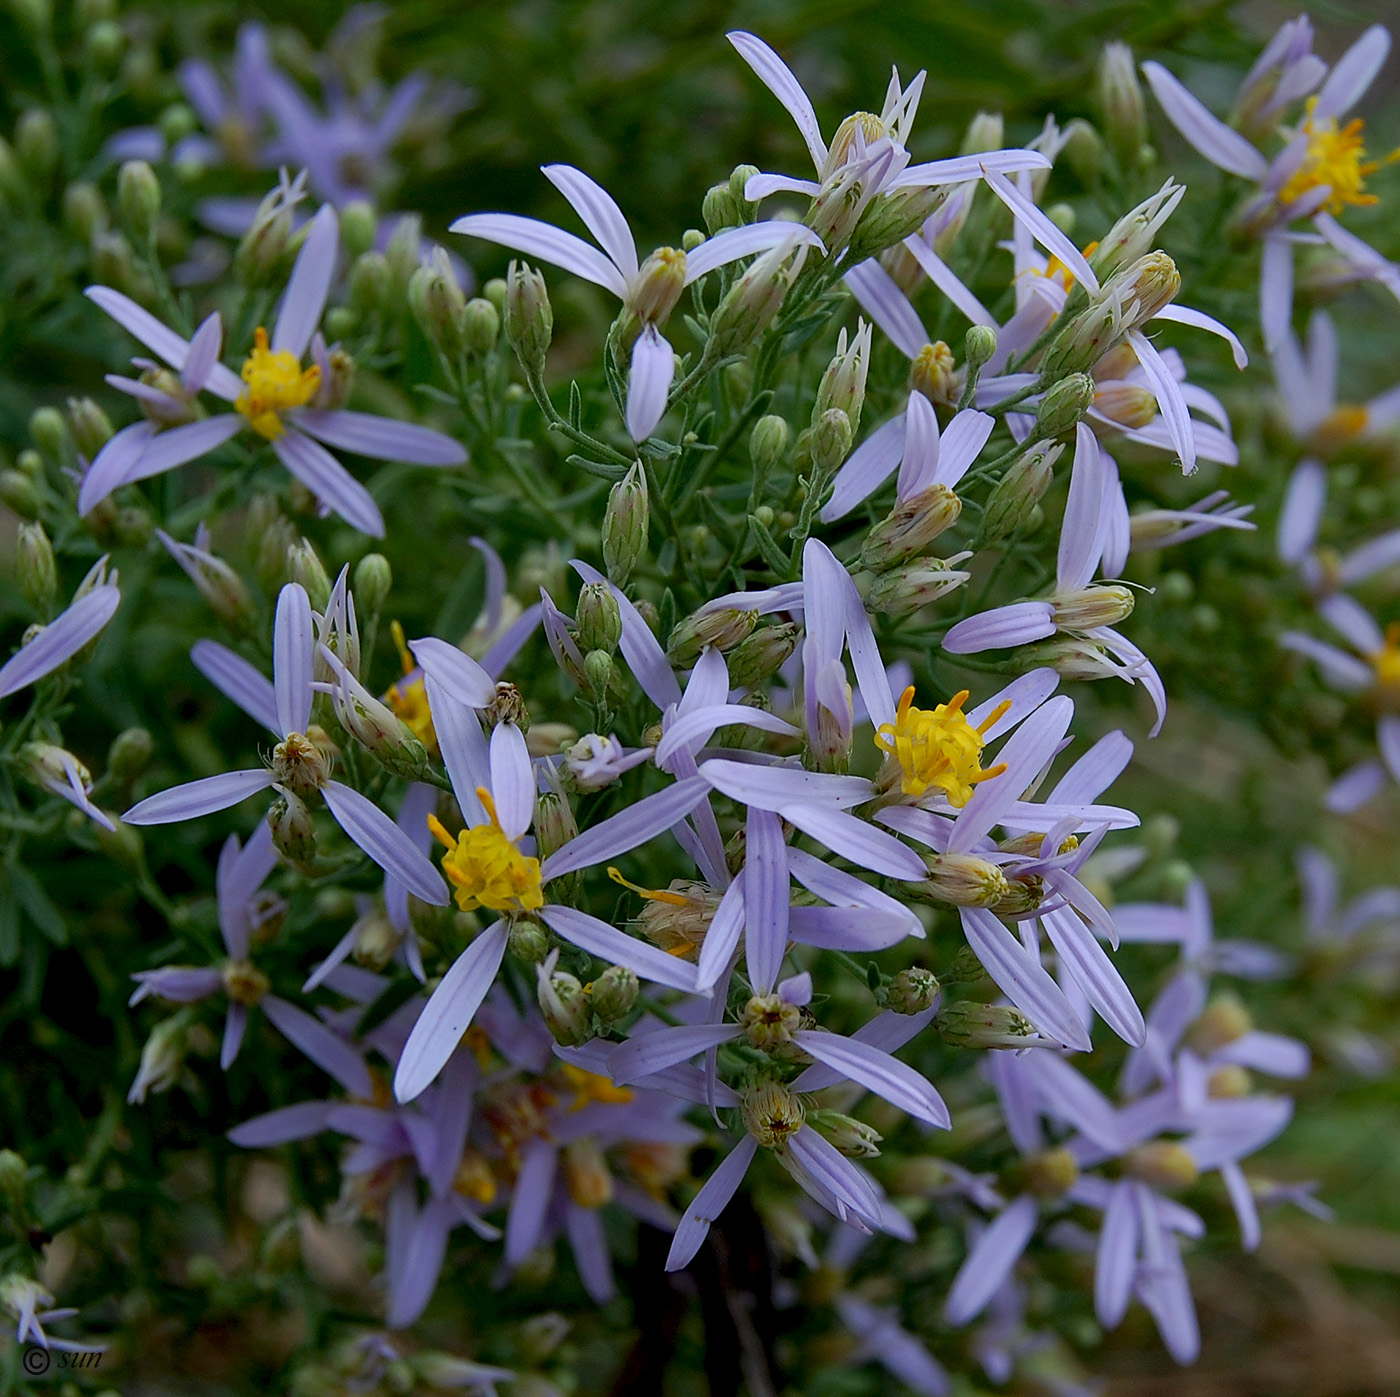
(42, 652)
(883, 1340)
(1307, 379)
(1314, 176)
(1300, 519)
(495, 785)
(1073, 608)
(649, 289)
(1326, 921)
(861, 135)
(1150, 529)
(595, 761)
(1376, 672)
(32, 1307)
(58, 771)
(296, 764)
(275, 397)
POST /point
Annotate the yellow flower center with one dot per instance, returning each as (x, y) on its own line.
(938, 747)
(843, 144)
(486, 868)
(409, 697)
(276, 381)
(588, 1087)
(1386, 662)
(1336, 157)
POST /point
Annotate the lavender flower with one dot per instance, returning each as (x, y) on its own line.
(43, 651)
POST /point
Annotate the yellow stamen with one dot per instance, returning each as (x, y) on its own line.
(1386, 661)
(409, 697)
(651, 894)
(485, 867)
(938, 747)
(276, 381)
(1335, 158)
(589, 1088)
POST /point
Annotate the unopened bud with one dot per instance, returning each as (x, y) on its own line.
(912, 991)
(261, 248)
(113, 262)
(853, 1138)
(1087, 608)
(750, 305)
(564, 1005)
(439, 306)
(964, 880)
(597, 671)
(1162, 1164)
(653, 293)
(1133, 236)
(986, 131)
(1083, 152)
(129, 753)
(358, 228)
(1050, 1173)
(1071, 657)
(626, 525)
(371, 581)
(723, 627)
(555, 824)
(739, 178)
(304, 565)
(84, 210)
(1130, 405)
(968, 1024)
(967, 970)
(902, 590)
(36, 143)
(18, 493)
(403, 252)
(529, 316)
(614, 993)
(367, 287)
(92, 428)
(597, 623)
(481, 326)
(293, 829)
(720, 210)
(49, 433)
(138, 198)
(843, 383)
(162, 1059)
(893, 216)
(768, 443)
(910, 527)
(527, 940)
(830, 441)
(35, 568)
(1064, 405)
(772, 1113)
(762, 654)
(1121, 106)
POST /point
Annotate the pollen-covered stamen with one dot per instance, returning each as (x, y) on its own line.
(485, 867)
(1336, 157)
(938, 748)
(408, 698)
(275, 382)
(589, 1088)
(772, 1114)
(675, 918)
(299, 764)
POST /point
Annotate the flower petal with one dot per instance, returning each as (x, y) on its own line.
(236, 679)
(988, 1264)
(627, 829)
(653, 368)
(308, 286)
(293, 659)
(609, 944)
(329, 481)
(456, 673)
(778, 78)
(710, 1202)
(1220, 145)
(321, 1044)
(61, 639)
(382, 438)
(889, 1078)
(196, 798)
(385, 842)
(600, 214)
(549, 244)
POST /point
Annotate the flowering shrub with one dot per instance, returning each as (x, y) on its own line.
(613, 857)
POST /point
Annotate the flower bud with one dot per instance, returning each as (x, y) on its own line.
(439, 306)
(1132, 237)
(968, 1024)
(750, 305)
(14, 1180)
(761, 655)
(371, 582)
(555, 824)
(964, 880)
(853, 1138)
(723, 627)
(91, 427)
(1120, 102)
(739, 178)
(529, 316)
(720, 209)
(893, 216)
(1224, 1020)
(481, 326)
(162, 1058)
(1130, 405)
(50, 433)
(1050, 1173)
(18, 493)
(129, 753)
(768, 443)
(1162, 1164)
(113, 263)
(657, 286)
(358, 228)
(564, 1005)
(1087, 608)
(912, 991)
(597, 672)
(967, 970)
(304, 565)
(910, 527)
(527, 940)
(772, 1113)
(830, 441)
(597, 622)
(261, 248)
(35, 568)
(138, 199)
(843, 383)
(1071, 657)
(902, 590)
(626, 525)
(1083, 152)
(1064, 405)
(84, 210)
(36, 143)
(614, 993)
(986, 131)
(367, 287)
(387, 738)
(293, 829)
